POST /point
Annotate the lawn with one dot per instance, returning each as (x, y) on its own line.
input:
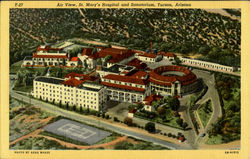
(171, 120)
(108, 139)
(22, 88)
(16, 103)
(15, 67)
(33, 69)
(205, 112)
(213, 140)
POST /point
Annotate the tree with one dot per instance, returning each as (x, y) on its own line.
(85, 64)
(155, 105)
(80, 109)
(128, 121)
(184, 125)
(64, 62)
(59, 73)
(74, 107)
(179, 121)
(191, 101)
(99, 61)
(139, 106)
(204, 50)
(60, 104)
(177, 60)
(150, 127)
(25, 80)
(173, 102)
(108, 57)
(161, 111)
(123, 146)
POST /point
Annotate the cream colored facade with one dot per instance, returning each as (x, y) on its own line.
(173, 89)
(90, 61)
(128, 96)
(145, 59)
(207, 65)
(149, 108)
(50, 89)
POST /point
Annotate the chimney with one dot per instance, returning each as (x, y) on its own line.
(151, 47)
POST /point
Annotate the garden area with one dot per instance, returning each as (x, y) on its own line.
(228, 127)
(166, 112)
(205, 112)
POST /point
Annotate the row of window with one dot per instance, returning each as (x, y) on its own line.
(87, 97)
(208, 65)
(121, 83)
(69, 99)
(49, 59)
(65, 89)
(65, 102)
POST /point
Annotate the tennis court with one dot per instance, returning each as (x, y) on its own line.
(77, 131)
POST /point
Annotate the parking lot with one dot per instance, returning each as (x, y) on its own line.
(77, 131)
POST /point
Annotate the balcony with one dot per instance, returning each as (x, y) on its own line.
(115, 98)
(121, 99)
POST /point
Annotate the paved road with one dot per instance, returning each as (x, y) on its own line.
(92, 121)
(212, 93)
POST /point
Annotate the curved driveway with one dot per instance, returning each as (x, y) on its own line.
(212, 93)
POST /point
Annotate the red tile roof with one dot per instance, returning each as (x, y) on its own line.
(74, 59)
(132, 110)
(85, 77)
(126, 79)
(169, 54)
(123, 87)
(139, 74)
(153, 97)
(156, 77)
(117, 54)
(50, 56)
(150, 55)
(87, 51)
(72, 82)
(137, 63)
(46, 49)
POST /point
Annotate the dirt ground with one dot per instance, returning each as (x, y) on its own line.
(230, 145)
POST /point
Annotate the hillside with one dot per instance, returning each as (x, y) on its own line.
(182, 30)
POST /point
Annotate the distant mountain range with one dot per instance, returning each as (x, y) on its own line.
(176, 30)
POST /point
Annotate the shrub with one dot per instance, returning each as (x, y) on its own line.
(107, 116)
(128, 121)
(184, 125)
(169, 135)
(103, 115)
(116, 119)
(150, 127)
(123, 146)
